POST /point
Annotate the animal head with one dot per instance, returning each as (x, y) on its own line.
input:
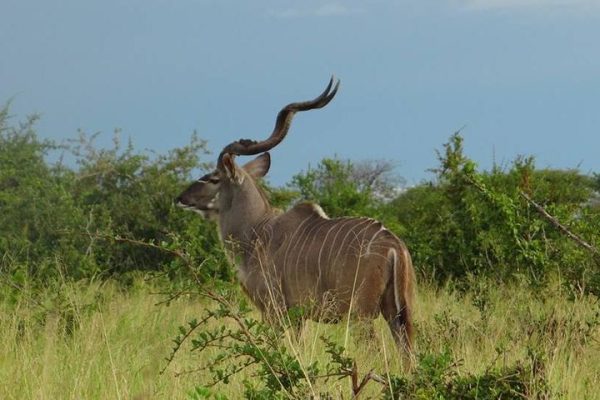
(213, 193)
(203, 195)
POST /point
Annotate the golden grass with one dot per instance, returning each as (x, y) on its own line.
(99, 342)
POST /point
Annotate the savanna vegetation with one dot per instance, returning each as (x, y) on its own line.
(107, 290)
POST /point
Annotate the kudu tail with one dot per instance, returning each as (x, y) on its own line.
(397, 304)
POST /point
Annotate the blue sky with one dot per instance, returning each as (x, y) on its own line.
(521, 76)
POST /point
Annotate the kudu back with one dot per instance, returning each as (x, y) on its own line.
(301, 258)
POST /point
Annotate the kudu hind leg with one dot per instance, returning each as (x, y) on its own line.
(396, 305)
(400, 327)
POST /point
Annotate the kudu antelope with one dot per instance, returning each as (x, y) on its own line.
(340, 266)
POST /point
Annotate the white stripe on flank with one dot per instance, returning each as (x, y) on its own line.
(342, 225)
(307, 251)
(344, 246)
(323, 246)
(290, 241)
(301, 242)
(373, 238)
(295, 245)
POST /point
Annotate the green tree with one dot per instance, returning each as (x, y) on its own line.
(343, 188)
(110, 213)
(485, 223)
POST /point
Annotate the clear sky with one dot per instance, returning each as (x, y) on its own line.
(521, 76)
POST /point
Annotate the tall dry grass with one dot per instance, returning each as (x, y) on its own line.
(97, 341)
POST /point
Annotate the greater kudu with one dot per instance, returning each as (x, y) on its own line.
(340, 266)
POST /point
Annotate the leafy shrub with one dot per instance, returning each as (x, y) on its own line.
(238, 342)
(437, 377)
(487, 223)
(346, 189)
(110, 214)
(34, 203)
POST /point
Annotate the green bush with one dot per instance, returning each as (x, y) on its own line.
(484, 223)
(238, 345)
(106, 212)
(110, 212)
(347, 189)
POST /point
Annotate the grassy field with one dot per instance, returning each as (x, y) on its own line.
(96, 341)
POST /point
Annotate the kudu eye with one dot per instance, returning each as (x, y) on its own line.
(214, 181)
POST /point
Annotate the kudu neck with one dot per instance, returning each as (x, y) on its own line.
(243, 209)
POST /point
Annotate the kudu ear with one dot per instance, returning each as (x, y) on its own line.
(258, 167)
(229, 167)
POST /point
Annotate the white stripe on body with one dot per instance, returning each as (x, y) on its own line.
(292, 240)
(307, 253)
(342, 245)
(321, 249)
(343, 223)
(373, 238)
